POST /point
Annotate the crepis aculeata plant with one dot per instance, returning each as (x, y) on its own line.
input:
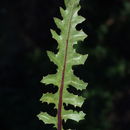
(65, 59)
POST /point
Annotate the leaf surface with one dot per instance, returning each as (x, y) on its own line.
(65, 59)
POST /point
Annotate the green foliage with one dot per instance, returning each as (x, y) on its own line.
(65, 59)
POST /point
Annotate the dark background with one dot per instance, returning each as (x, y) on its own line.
(24, 39)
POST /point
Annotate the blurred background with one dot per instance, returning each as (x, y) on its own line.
(24, 39)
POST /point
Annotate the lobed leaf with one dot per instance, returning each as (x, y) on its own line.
(65, 59)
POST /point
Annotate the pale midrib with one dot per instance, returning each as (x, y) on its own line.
(63, 77)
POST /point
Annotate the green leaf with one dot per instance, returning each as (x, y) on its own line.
(65, 59)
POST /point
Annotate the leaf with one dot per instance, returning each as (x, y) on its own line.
(65, 59)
